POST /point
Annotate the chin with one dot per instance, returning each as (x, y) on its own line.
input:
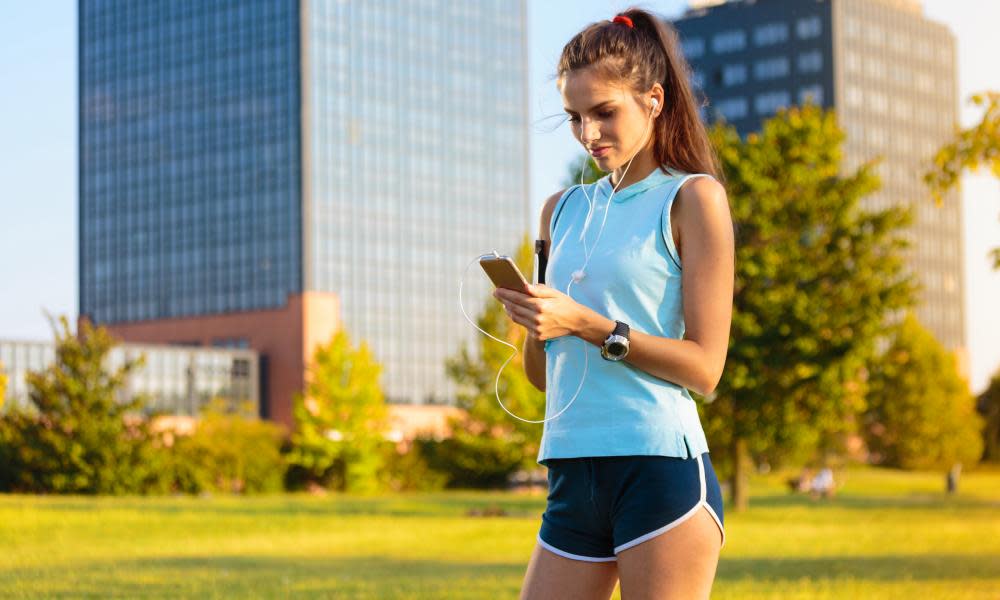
(605, 164)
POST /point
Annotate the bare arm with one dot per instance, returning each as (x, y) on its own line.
(706, 245)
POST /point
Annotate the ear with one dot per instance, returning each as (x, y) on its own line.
(657, 93)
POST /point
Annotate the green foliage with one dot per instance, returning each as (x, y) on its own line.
(75, 436)
(409, 470)
(591, 172)
(3, 384)
(989, 408)
(816, 276)
(229, 453)
(972, 148)
(488, 444)
(921, 413)
(341, 420)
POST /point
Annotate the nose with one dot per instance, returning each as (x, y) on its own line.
(590, 131)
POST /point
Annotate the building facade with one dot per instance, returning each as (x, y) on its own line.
(261, 174)
(175, 380)
(890, 74)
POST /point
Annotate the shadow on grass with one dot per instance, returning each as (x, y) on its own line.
(876, 568)
(269, 576)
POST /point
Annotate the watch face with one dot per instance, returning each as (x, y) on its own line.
(616, 349)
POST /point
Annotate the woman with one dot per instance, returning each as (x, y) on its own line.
(645, 258)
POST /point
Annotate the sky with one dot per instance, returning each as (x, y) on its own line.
(38, 218)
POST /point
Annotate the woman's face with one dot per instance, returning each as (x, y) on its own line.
(607, 119)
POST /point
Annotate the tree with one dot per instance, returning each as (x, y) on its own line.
(488, 444)
(591, 171)
(3, 384)
(973, 147)
(816, 278)
(921, 413)
(988, 406)
(341, 419)
(76, 436)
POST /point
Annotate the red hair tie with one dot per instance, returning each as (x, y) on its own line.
(623, 20)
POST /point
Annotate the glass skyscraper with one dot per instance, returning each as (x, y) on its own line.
(262, 173)
(889, 72)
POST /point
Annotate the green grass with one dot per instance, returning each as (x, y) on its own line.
(888, 534)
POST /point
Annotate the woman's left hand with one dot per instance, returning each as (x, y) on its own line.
(545, 312)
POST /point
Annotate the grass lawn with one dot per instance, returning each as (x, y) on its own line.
(888, 534)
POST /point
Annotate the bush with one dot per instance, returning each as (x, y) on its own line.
(409, 470)
(230, 454)
(471, 460)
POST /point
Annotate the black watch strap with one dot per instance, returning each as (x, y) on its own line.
(621, 329)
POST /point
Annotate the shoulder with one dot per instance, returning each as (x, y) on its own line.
(547, 209)
(700, 199)
(704, 224)
(551, 201)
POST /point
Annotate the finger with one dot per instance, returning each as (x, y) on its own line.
(510, 294)
(522, 312)
(543, 291)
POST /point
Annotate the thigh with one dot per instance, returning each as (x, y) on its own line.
(554, 577)
(680, 563)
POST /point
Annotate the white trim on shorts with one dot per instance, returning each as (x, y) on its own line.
(701, 502)
(555, 550)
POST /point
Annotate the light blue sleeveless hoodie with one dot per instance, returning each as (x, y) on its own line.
(634, 275)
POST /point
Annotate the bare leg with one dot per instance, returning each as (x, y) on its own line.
(554, 577)
(679, 563)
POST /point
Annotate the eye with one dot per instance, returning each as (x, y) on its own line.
(573, 119)
(606, 114)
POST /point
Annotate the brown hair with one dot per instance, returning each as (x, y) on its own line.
(640, 56)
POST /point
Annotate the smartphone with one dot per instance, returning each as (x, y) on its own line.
(503, 272)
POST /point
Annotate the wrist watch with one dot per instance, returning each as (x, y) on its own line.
(616, 345)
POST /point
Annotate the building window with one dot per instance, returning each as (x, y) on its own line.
(732, 108)
(853, 96)
(811, 93)
(877, 137)
(808, 27)
(875, 34)
(769, 103)
(729, 41)
(878, 102)
(852, 61)
(875, 68)
(812, 61)
(771, 68)
(771, 33)
(734, 74)
(697, 79)
(852, 27)
(693, 47)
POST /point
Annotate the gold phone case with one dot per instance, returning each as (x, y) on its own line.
(503, 272)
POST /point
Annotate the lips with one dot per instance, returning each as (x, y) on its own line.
(599, 152)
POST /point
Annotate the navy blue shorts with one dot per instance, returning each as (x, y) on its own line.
(601, 505)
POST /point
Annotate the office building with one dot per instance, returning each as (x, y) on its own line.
(260, 174)
(890, 74)
(175, 380)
